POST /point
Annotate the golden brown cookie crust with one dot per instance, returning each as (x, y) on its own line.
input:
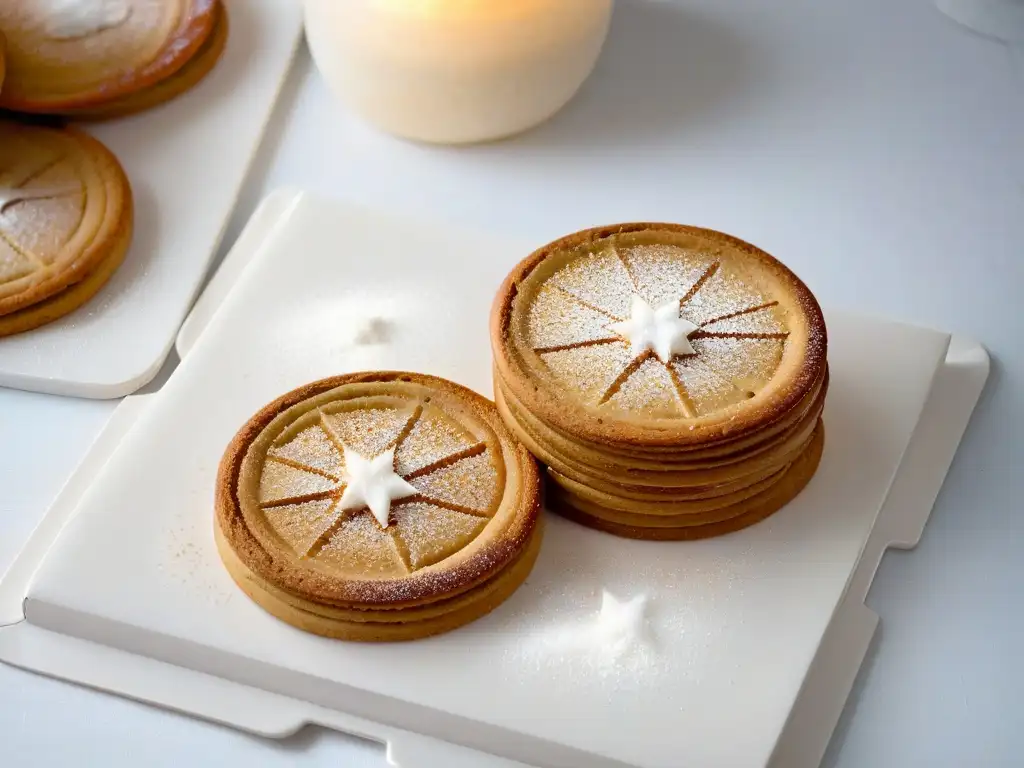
(71, 298)
(401, 627)
(501, 542)
(93, 192)
(522, 370)
(562, 453)
(181, 82)
(3, 59)
(657, 528)
(52, 72)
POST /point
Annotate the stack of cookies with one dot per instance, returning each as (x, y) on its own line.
(66, 212)
(378, 506)
(671, 378)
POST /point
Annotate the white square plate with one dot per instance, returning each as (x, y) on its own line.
(186, 161)
(758, 634)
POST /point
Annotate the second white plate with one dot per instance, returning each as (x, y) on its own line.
(186, 161)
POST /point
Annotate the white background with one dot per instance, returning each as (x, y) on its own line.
(873, 145)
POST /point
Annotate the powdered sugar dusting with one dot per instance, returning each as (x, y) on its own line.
(557, 319)
(432, 438)
(470, 483)
(367, 431)
(725, 294)
(599, 279)
(468, 477)
(431, 533)
(714, 293)
(280, 481)
(649, 390)
(664, 272)
(313, 448)
(362, 549)
(749, 362)
(708, 390)
(300, 525)
(591, 370)
(13, 264)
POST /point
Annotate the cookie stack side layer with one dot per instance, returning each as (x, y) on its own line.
(378, 506)
(671, 378)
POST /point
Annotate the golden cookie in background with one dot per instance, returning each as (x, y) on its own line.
(182, 81)
(378, 506)
(3, 59)
(671, 378)
(66, 55)
(65, 222)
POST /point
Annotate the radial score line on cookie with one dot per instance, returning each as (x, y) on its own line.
(381, 476)
(720, 341)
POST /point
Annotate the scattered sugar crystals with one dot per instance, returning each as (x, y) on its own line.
(614, 639)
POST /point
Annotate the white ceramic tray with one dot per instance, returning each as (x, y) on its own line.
(757, 636)
(186, 161)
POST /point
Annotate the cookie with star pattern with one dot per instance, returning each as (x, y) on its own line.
(65, 222)
(378, 506)
(663, 373)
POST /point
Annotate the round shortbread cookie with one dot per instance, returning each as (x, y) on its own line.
(182, 81)
(299, 499)
(65, 216)
(656, 335)
(77, 54)
(69, 299)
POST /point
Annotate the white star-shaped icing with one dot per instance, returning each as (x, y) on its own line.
(661, 330)
(373, 483)
(621, 624)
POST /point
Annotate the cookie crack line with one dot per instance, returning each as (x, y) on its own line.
(689, 409)
(701, 281)
(747, 311)
(577, 345)
(303, 467)
(625, 266)
(443, 504)
(585, 303)
(629, 370)
(702, 334)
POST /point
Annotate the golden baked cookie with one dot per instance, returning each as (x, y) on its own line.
(661, 528)
(378, 506)
(65, 222)
(182, 81)
(665, 374)
(77, 54)
(749, 338)
(3, 59)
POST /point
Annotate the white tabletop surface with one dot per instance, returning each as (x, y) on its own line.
(874, 146)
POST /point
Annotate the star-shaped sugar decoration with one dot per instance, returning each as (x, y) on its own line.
(660, 329)
(373, 483)
(621, 624)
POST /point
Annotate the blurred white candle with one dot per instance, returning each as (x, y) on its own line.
(456, 71)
